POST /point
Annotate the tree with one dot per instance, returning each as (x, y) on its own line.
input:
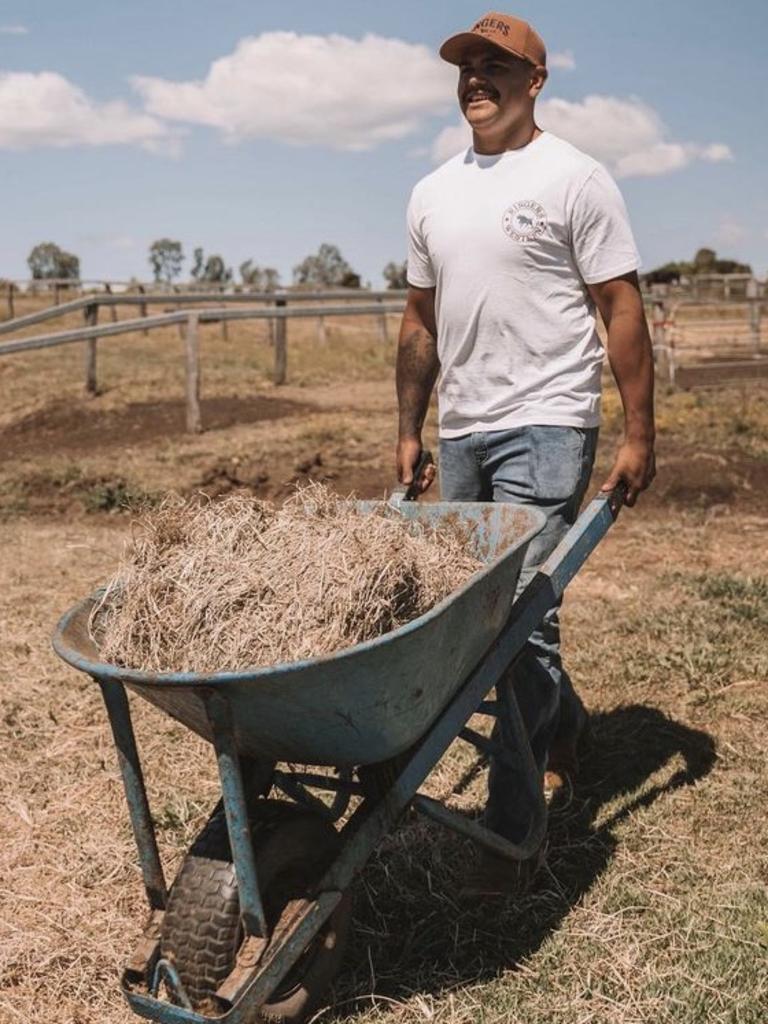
(395, 275)
(732, 267)
(48, 261)
(326, 269)
(260, 279)
(165, 258)
(704, 261)
(216, 271)
(197, 266)
(669, 273)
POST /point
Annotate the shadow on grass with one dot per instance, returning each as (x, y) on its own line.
(415, 935)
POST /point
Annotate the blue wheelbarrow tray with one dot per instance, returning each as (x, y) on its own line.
(363, 704)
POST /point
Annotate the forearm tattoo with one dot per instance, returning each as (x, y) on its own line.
(417, 369)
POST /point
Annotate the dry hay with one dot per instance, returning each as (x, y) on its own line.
(241, 583)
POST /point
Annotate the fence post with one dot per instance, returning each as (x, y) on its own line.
(112, 309)
(143, 306)
(660, 347)
(192, 361)
(754, 314)
(91, 317)
(11, 310)
(383, 333)
(56, 293)
(281, 348)
(224, 326)
(322, 335)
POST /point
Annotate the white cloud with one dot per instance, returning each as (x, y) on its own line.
(121, 243)
(328, 90)
(564, 61)
(716, 152)
(731, 231)
(450, 141)
(13, 30)
(45, 109)
(626, 135)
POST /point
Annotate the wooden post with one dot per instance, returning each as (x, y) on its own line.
(192, 352)
(322, 334)
(143, 306)
(383, 333)
(177, 307)
(11, 311)
(660, 348)
(224, 327)
(91, 317)
(55, 294)
(281, 348)
(754, 315)
(112, 309)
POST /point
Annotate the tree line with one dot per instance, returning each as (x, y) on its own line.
(326, 268)
(705, 261)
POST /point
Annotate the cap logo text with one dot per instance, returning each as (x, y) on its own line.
(488, 25)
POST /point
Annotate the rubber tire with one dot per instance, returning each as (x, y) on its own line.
(201, 930)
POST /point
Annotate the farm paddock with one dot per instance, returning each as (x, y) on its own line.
(653, 906)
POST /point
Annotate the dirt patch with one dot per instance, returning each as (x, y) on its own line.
(363, 474)
(61, 429)
(696, 479)
(70, 493)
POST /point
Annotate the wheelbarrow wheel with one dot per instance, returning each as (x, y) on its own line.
(202, 932)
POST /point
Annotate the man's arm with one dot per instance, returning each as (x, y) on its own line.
(630, 355)
(417, 370)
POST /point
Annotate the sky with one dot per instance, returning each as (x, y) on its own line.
(262, 129)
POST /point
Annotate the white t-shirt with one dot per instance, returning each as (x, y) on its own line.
(509, 241)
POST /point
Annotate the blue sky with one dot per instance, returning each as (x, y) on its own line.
(114, 130)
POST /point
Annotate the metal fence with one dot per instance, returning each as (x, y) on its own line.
(700, 343)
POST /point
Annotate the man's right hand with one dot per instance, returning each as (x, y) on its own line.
(408, 454)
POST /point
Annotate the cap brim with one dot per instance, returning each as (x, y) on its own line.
(453, 49)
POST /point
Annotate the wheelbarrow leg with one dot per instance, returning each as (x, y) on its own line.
(236, 810)
(517, 755)
(119, 712)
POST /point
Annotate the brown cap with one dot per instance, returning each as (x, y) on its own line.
(511, 34)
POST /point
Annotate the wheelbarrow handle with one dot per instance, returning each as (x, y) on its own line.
(616, 498)
(413, 489)
(582, 538)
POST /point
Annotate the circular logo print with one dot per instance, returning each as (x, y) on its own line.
(525, 221)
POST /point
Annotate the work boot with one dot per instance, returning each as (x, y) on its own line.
(497, 876)
(563, 758)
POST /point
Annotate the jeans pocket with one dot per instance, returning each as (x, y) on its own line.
(557, 455)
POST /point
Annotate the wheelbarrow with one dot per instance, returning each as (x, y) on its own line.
(255, 924)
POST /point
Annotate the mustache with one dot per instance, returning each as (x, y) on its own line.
(489, 89)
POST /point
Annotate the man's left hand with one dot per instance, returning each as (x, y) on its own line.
(635, 465)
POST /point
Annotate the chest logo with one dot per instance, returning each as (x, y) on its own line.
(524, 221)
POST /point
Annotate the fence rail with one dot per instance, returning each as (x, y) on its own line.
(193, 298)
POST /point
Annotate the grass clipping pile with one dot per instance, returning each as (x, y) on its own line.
(240, 583)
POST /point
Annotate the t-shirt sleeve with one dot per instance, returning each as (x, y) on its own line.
(421, 273)
(601, 236)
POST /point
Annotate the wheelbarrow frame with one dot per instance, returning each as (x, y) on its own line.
(263, 959)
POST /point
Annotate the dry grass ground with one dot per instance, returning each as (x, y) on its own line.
(653, 907)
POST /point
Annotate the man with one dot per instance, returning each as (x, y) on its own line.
(512, 246)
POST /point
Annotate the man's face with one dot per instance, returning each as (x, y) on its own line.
(495, 88)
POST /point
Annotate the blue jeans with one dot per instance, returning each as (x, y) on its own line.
(548, 467)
